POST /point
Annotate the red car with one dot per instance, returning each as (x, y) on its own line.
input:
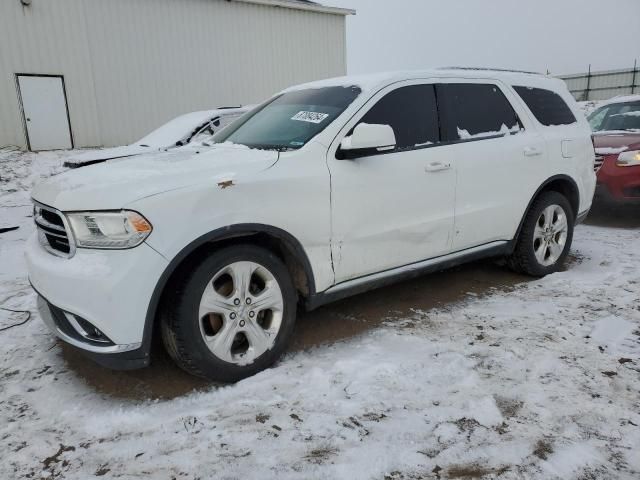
(616, 138)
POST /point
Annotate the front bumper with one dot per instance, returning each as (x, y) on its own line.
(107, 289)
(618, 183)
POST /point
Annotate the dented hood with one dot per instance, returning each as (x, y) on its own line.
(114, 184)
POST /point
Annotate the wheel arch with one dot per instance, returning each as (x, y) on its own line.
(562, 184)
(274, 239)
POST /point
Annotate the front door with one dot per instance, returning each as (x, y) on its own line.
(44, 106)
(392, 208)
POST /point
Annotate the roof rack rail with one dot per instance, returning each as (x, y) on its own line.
(489, 69)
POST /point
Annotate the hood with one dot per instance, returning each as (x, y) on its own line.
(116, 183)
(609, 143)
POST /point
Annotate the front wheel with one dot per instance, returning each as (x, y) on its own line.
(546, 235)
(232, 315)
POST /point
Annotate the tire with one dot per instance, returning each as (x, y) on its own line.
(210, 328)
(541, 248)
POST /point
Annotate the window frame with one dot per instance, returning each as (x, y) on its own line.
(349, 126)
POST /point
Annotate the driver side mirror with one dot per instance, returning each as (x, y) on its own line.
(368, 139)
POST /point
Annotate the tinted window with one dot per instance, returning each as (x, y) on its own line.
(411, 112)
(548, 107)
(290, 120)
(471, 110)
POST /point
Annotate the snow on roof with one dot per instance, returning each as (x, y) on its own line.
(378, 80)
(621, 99)
(302, 5)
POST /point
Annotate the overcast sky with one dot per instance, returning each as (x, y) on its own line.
(563, 36)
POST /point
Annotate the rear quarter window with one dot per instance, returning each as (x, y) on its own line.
(548, 107)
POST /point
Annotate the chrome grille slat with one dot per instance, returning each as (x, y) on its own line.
(41, 222)
(53, 231)
(597, 164)
(58, 235)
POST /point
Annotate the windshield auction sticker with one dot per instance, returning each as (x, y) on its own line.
(311, 117)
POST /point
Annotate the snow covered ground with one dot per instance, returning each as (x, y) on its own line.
(540, 381)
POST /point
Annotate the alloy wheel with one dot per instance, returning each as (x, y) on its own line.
(550, 235)
(241, 312)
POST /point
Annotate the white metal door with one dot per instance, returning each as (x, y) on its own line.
(44, 106)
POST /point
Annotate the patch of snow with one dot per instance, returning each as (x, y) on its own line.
(586, 107)
(620, 99)
(618, 133)
(633, 113)
(571, 460)
(504, 130)
(616, 335)
(610, 150)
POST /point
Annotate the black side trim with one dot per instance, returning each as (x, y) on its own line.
(512, 243)
(322, 298)
(582, 216)
(131, 360)
(225, 233)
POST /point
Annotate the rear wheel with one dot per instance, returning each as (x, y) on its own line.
(546, 236)
(232, 316)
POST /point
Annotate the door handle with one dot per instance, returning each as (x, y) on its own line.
(437, 166)
(532, 151)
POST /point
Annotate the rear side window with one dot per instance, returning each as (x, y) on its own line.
(412, 113)
(548, 107)
(473, 110)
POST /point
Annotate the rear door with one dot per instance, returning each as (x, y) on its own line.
(392, 208)
(500, 159)
(567, 134)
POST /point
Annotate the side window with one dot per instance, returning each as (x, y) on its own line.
(473, 110)
(596, 118)
(548, 107)
(412, 113)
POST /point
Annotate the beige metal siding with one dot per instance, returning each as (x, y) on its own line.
(48, 38)
(130, 65)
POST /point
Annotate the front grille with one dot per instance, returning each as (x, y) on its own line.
(52, 231)
(598, 163)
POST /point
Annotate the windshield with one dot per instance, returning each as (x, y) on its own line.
(290, 120)
(616, 116)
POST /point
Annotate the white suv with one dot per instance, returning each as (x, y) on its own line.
(325, 190)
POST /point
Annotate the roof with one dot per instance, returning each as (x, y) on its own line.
(376, 81)
(306, 5)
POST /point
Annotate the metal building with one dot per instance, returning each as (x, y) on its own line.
(95, 72)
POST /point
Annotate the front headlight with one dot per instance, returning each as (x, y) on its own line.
(112, 230)
(628, 159)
